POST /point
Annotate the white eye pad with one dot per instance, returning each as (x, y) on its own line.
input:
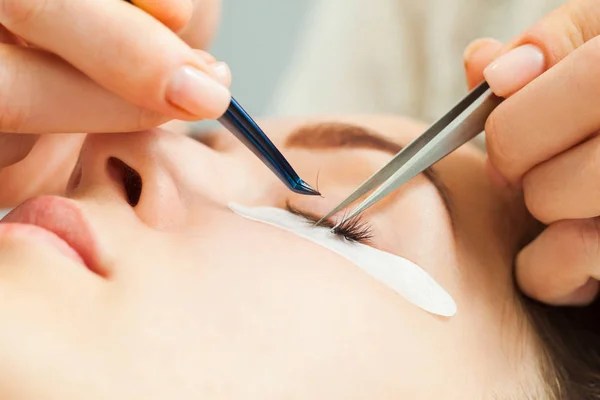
(401, 275)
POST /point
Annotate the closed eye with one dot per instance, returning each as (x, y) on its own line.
(356, 230)
(339, 136)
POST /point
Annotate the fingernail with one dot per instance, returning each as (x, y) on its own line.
(515, 69)
(198, 93)
(221, 72)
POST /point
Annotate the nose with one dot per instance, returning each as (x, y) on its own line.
(155, 173)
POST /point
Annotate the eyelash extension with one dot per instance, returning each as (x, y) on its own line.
(356, 230)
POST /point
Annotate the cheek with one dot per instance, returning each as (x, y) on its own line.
(239, 281)
(244, 179)
(235, 293)
(164, 208)
(417, 227)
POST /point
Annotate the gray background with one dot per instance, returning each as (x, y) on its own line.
(257, 38)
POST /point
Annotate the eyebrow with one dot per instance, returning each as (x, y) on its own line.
(338, 136)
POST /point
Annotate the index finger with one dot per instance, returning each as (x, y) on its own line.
(561, 31)
(123, 49)
(557, 110)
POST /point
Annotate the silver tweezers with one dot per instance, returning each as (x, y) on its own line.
(465, 121)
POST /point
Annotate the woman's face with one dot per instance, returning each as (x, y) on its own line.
(184, 299)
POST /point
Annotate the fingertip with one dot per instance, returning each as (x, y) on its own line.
(222, 73)
(558, 267)
(204, 56)
(525, 273)
(218, 69)
(580, 297)
(198, 94)
(477, 56)
(515, 69)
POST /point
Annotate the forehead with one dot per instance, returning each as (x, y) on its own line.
(396, 129)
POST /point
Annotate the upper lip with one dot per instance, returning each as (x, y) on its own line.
(64, 218)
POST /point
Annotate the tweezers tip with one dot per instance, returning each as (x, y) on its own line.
(302, 187)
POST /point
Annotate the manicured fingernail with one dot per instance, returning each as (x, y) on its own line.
(221, 72)
(198, 93)
(515, 69)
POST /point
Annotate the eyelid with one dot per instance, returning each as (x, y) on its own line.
(344, 136)
(356, 230)
(443, 191)
(309, 216)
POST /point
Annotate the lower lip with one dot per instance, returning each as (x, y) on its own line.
(40, 236)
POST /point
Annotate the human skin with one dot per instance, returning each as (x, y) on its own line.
(196, 302)
(543, 141)
(118, 39)
(66, 100)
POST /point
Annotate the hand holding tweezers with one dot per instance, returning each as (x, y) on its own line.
(461, 124)
(239, 122)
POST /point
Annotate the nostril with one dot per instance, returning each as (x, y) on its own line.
(128, 177)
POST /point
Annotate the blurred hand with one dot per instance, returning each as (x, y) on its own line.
(90, 66)
(544, 140)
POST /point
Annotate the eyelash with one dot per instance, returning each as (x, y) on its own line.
(356, 230)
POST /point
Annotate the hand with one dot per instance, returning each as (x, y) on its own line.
(44, 94)
(90, 66)
(544, 140)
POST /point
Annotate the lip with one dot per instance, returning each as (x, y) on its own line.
(59, 222)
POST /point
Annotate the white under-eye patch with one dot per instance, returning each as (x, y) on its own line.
(403, 276)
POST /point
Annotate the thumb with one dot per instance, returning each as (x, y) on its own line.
(478, 54)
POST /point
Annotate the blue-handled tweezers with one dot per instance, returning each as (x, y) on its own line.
(239, 122)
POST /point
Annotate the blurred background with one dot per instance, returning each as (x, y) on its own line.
(304, 57)
(257, 39)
